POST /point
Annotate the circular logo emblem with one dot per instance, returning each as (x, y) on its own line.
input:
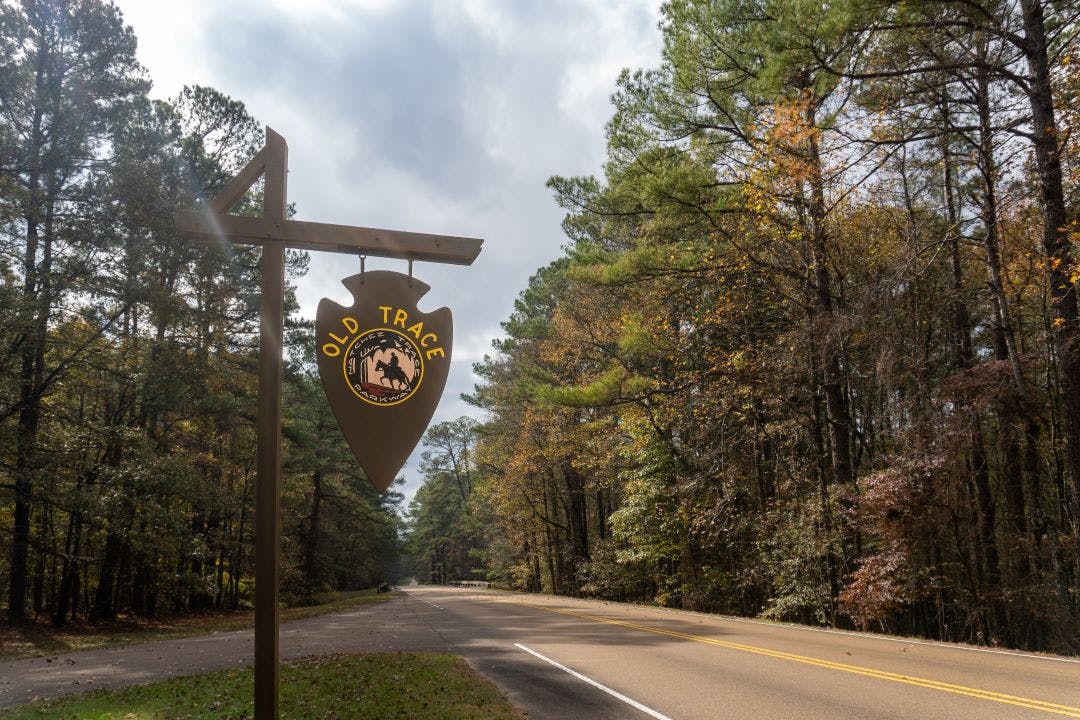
(383, 367)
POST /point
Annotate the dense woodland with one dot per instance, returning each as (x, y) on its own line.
(128, 354)
(813, 351)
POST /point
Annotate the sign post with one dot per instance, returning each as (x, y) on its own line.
(275, 233)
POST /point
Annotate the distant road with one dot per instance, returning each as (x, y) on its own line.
(564, 658)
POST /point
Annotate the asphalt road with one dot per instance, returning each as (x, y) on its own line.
(686, 666)
(560, 658)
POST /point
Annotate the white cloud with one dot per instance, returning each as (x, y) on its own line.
(315, 12)
(169, 38)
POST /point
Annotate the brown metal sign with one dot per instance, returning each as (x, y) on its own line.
(383, 364)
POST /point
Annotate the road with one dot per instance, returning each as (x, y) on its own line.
(687, 666)
(560, 658)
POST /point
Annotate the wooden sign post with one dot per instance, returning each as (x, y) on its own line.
(275, 233)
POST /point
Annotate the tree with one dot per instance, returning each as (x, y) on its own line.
(443, 537)
(799, 360)
(71, 70)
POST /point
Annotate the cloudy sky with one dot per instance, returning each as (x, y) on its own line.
(440, 116)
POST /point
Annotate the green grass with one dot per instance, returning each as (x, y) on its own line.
(416, 686)
(35, 639)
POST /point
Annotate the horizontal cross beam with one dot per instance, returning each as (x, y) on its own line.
(209, 225)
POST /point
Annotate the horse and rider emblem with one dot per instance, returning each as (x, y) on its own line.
(383, 365)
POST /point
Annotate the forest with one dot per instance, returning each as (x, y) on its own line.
(128, 354)
(812, 352)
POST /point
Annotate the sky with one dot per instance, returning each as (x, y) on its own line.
(438, 116)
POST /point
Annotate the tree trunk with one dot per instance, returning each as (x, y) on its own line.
(986, 548)
(104, 607)
(836, 405)
(1004, 328)
(1065, 325)
(39, 570)
(311, 540)
(577, 512)
(29, 420)
(70, 568)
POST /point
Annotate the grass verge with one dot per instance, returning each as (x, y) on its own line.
(35, 639)
(419, 686)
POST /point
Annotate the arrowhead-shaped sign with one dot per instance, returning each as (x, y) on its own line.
(383, 364)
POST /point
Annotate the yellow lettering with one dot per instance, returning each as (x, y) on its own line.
(385, 312)
(337, 339)
(417, 330)
(424, 340)
(331, 350)
(400, 316)
(350, 324)
(435, 351)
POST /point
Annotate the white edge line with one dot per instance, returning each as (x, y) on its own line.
(590, 681)
(417, 597)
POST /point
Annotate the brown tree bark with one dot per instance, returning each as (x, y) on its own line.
(311, 537)
(1065, 323)
(836, 404)
(37, 302)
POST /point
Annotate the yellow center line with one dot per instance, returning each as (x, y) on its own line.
(1054, 708)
